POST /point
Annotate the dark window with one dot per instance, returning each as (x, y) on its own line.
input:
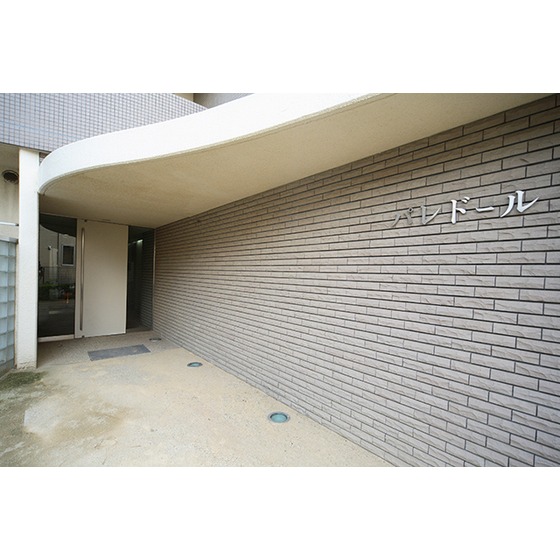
(68, 255)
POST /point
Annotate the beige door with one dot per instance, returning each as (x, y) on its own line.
(101, 278)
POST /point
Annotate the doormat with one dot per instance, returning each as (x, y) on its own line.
(117, 352)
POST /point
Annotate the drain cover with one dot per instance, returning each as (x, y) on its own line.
(194, 364)
(278, 417)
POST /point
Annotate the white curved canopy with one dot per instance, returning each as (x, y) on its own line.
(157, 174)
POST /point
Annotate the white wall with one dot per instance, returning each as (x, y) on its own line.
(210, 100)
(9, 192)
(9, 208)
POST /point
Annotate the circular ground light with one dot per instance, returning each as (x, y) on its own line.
(278, 417)
(194, 364)
(155, 339)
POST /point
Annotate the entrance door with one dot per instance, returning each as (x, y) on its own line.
(57, 277)
(101, 279)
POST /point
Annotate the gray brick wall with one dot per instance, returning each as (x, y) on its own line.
(425, 342)
(46, 121)
(147, 294)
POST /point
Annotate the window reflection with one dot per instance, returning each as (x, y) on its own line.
(57, 275)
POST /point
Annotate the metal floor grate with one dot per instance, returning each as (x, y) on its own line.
(117, 352)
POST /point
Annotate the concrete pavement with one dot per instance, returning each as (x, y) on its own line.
(152, 410)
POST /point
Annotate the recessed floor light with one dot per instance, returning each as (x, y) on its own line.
(194, 364)
(278, 417)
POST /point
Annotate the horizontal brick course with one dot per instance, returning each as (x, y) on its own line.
(432, 344)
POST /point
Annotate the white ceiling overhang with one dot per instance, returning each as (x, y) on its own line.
(157, 174)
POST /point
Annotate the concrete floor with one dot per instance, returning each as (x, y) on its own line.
(152, 410)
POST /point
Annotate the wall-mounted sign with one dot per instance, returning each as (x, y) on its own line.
(516, 201)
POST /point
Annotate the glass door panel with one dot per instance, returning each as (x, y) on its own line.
(57, 276)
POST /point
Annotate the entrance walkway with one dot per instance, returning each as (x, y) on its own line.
(151, 409)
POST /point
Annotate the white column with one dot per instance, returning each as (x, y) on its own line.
(28, 261)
